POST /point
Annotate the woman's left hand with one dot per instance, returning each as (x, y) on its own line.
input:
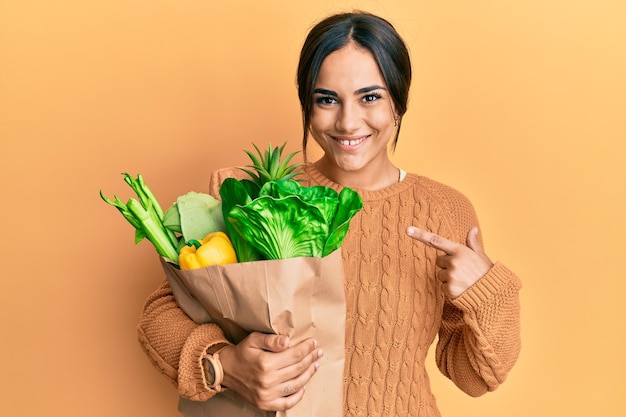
(461, 265)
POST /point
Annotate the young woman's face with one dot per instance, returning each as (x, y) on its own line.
(353, 118)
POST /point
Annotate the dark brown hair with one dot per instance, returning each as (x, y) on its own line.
(368, 31)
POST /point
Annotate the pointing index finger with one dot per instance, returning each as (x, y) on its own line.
(434, 240)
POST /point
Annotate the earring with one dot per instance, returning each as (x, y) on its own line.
(395, 122)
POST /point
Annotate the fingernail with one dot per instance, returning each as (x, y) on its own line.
(320, 353)
(410, 230)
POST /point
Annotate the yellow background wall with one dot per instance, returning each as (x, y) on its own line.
(519, 104)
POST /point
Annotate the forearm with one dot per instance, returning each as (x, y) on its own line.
(479, 340)
(175, 343)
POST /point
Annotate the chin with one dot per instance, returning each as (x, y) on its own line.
(350, 166)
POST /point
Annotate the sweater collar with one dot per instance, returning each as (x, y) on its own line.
(315, 177)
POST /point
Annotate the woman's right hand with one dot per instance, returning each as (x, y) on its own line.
(269, 373)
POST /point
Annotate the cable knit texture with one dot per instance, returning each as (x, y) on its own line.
(395, 308)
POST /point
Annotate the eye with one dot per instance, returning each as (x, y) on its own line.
(370, 98)
(325, 100)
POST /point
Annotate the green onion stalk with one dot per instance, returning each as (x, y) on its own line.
(145, 214)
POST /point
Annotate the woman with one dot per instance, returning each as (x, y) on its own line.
(413, 257)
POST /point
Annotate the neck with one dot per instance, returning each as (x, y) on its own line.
(369, 178)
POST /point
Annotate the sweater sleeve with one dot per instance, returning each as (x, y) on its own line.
(173, 342)
(479, 339)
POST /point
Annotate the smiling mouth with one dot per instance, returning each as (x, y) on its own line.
(349, 142)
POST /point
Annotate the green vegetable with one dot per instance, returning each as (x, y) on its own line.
(288, 220)
(146, 216)
(195, 215)
(266, 166)
(272, 216)
(239, 193)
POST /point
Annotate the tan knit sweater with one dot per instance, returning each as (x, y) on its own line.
(394, 308)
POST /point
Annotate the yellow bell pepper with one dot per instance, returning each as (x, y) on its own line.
(214, 249)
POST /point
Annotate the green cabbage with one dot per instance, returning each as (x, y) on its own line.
(194, 215)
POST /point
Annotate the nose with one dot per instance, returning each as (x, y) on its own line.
(349, 118)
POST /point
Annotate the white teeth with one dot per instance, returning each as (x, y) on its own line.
(350, 142)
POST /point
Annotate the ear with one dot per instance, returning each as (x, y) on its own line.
(396, 116)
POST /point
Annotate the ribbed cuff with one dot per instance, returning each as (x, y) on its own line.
(191, 378)
(498, 281)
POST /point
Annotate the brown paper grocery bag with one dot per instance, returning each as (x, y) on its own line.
(300, 297)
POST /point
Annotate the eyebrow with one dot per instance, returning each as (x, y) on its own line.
(356, 93)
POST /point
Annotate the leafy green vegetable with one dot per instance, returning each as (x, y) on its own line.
(324, 198)
(288, 220)
(239, 193)
(272, 216)
(348, 205)
(195, 215)
(280, 228)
